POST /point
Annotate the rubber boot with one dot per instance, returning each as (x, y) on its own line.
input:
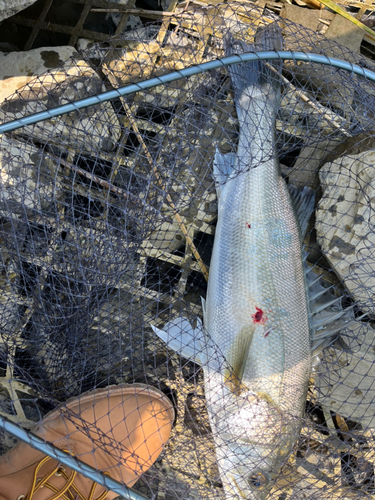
(119, 430)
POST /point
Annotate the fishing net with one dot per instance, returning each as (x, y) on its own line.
(107, 224)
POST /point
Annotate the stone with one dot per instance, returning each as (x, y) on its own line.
(167, 237)
(304, 171)
(330, 87)
(141, 58)
(132, 23)
(95, 127)
(33, 62)
(347, 374)
(19, 68)
(303, 16)
(85, 43)
(344, 223)
(345, 33)
(28, 179)
(124, 3)
(9, 8)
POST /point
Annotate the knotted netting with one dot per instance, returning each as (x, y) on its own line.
(108, 218)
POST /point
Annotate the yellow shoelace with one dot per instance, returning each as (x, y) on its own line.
(68, 492)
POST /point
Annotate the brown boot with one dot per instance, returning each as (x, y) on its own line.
(119, 430)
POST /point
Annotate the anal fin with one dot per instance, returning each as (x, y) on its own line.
(327, 316)
(303, 202)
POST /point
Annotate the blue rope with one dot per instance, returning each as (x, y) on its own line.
(178, 75)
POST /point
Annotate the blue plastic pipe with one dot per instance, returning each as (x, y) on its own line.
(184, 73)
(72, 462)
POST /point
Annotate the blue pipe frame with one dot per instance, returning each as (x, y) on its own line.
(185, 73)
(64, 458)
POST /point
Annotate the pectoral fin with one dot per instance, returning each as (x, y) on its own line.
(237, 359)
(181, 337)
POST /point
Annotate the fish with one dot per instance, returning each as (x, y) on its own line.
(266, 315)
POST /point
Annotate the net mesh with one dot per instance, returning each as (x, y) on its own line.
(107, 224)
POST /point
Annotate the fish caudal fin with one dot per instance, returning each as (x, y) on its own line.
(269, 37)
(242, 75)
(256, 77)
(182, 338)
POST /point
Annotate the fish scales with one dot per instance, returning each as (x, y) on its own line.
(258, 267)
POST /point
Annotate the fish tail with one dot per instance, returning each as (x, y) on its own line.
(243, 75)
(256, 79)
(269, 37)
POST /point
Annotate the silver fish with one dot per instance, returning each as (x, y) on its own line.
(263, 302)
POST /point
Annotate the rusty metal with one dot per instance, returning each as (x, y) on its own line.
(43, 7)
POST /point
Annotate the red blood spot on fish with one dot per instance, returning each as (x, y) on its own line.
(259, 316)
(248, 225)
(267, 332)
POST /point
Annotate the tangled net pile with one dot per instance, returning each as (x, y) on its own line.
(107, 222)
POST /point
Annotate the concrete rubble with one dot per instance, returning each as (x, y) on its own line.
(344, 220)
(9, 8)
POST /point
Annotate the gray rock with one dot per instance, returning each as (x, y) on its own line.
(346, 381)
(167, 237)
(124, 3)
(342, 31)
(88, 130)
(133, 22)
(9, 8)
(85, 43)
(19, 68)
(27, 178)
(344, 223)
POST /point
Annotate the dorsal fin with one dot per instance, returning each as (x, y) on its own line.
(224, 166)
(303, 201)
